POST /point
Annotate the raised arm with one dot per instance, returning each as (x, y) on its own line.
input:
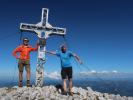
(52, 53)
(36, 48)
(77, 58)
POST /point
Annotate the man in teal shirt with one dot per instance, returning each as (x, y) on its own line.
(66, 67)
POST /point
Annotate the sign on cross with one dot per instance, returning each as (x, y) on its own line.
(43, 29)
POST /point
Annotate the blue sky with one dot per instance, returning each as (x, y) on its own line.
(99, 31)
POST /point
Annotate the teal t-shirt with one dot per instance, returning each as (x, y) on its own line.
(65, 58)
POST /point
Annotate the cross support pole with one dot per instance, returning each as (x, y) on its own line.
(43, 30)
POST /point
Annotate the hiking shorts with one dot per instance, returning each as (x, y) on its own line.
(22, 64)
(66, 72)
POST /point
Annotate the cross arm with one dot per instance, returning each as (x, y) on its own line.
(55, 31)
(29, 27)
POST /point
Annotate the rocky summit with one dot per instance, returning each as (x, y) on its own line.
(54, 93)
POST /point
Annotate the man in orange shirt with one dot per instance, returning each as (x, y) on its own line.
(24, 59)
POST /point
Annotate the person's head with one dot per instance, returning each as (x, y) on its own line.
(25, 41)
(63, 48)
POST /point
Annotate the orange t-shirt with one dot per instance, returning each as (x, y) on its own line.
(24, 51)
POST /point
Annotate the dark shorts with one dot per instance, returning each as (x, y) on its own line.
(66, 72)
(22, 64)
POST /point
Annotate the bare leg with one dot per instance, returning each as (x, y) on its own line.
(28, 78)
(27, 71)
(70, 85)
(20, 79)
(20, 76)
(28, 75)
(64, 85)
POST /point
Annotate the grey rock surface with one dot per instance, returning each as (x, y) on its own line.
(51, 93)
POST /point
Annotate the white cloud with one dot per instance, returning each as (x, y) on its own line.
(88, 72)
(93, 71)
(101, 72)
(52, 75)
(115, 71)
(104, 72)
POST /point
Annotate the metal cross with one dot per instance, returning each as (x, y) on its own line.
(43, 29)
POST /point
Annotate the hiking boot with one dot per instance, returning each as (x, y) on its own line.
(64, 93)
(71, 93)
(28, 83)
(20, 84)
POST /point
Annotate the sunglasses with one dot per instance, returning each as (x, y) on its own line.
(26, 40)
